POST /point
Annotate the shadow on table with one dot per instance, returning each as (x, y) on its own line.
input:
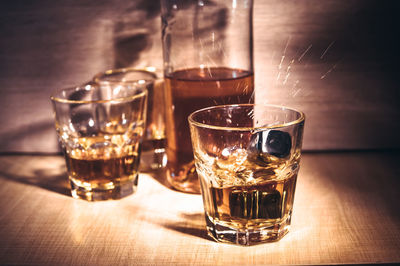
(48, 177)
(193, 224)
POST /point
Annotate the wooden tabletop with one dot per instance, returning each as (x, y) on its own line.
(346, 211)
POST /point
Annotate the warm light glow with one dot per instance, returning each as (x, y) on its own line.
(151, 69)
(117, 90)
(234, 4)
(225, 152)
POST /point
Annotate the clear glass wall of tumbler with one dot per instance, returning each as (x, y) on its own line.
(208, 60)
(153, 145)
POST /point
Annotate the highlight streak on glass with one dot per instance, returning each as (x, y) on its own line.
(329, 71)
(284, 52)
(304, 53)
(326, 50)
(297, 90)
(288, 72)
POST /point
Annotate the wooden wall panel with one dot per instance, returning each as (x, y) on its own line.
(335, 60)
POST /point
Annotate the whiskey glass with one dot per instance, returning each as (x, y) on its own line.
(100, 128)
(208, 60)
(153, 155)
(247, 157)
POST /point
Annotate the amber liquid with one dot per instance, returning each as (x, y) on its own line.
(103, 167)
(250, 207)
(187, 91)
(100, 172)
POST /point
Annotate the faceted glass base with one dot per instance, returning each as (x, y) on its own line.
(249, 236)
(112, 192)
(184, 180)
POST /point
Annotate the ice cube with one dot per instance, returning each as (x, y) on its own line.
(232, 158)
(269, 142)
(278, 143)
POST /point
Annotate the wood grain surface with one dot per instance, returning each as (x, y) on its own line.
(335, 60)
(346, 211)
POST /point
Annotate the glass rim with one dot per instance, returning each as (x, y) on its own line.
(97, 77)
(231, 128)
(142, 93)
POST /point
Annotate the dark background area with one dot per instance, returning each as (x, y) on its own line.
(335, 60)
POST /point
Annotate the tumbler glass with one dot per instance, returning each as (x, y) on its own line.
(247, 158)
(153, 154)
(208, 60)
(100, 129)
